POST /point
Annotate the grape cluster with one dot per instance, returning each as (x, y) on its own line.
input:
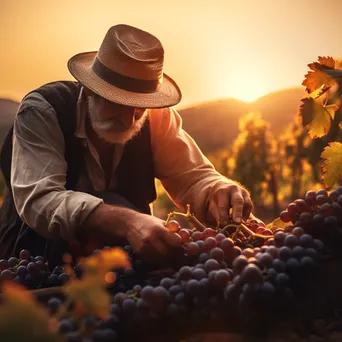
(31, 271)
(318, 214)
(241, 273)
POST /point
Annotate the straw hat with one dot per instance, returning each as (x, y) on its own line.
(127, 69)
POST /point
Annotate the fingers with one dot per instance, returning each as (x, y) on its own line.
(247, 207)
(237, 204)
(223, 206)
(230, 196)
(169, 238)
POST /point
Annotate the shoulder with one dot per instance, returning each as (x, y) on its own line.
(34, 101)
(163, 116)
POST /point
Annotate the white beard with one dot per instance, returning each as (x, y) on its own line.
(108, 131)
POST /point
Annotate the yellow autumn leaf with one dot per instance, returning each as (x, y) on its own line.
(277, 223)
(89, 296)
(318, 75)
(316, 117)
(319, 92)
(328, 62)
(22, 318)
(332, 165)
(107, 260)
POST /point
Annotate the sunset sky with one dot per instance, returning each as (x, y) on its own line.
(213, 48)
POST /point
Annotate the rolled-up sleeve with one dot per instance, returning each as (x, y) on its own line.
(186, 174)
(38, 176)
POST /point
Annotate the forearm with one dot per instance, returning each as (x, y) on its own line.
(107, 224)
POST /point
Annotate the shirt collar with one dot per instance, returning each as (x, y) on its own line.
(81, 113)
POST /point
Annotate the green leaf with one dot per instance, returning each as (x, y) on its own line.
(316, 117)
(332, 165)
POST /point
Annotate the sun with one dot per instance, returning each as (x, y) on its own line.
(247, 89)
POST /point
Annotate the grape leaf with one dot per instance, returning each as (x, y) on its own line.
(22, 318)
(89, 295)
(338, 64)
(319, 77)
(277, 223)
(319, 92)
(316, 117)
(316, 79)
(327, 61)
(332, 165)
(334, 73)
(107, 260)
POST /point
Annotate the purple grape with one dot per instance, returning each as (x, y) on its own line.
(22, 271)
(279, 265)
(298, 231)
(6, 275)
(211, 264)
(54, 304)
(166, 283)
(306, 241)
(284, 253)
(222, 277)
(240, 263)
(282, 280)
(192, 287)
(217, 254)
(63, 278)
(25, 255)
(147, 292)
(265, 260)
(12, 262)
(128, 306)
(310, 197)
(279, 238)
(251, 274)
(184, 273)
(298, 252)
(203, 257)
(291, 241)
(198, 273)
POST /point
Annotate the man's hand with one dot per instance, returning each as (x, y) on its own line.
(223, 197)
(149, 237)
(111, 225)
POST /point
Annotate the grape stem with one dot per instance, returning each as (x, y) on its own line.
(193, 220)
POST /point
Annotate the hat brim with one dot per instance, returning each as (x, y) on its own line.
(167, 95)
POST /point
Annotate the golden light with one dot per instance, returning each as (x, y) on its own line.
(247, 88)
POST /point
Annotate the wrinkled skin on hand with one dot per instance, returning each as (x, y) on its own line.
(223, 197)
(151, 239)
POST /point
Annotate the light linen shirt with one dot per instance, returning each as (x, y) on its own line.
(39, 169)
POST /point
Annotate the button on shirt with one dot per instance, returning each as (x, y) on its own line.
(39, 169)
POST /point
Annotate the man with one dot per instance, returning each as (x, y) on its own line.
(85, 156)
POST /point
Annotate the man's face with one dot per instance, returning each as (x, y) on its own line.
(113, 122)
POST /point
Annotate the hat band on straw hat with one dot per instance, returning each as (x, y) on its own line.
(125, 82)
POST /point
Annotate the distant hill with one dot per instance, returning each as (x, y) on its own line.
(215, 124)
(212, 124)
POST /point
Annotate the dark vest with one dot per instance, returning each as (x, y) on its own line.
(135, 177)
